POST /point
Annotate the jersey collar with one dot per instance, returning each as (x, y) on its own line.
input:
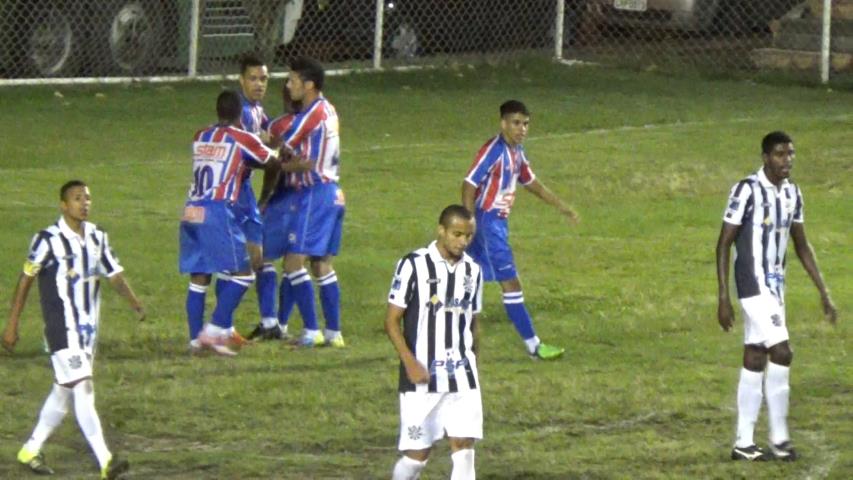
(68, 232)
(762, 178)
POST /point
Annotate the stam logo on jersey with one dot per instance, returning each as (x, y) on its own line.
(211, 152)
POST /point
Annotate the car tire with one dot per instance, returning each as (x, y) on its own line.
(129, 37)
(53, 41)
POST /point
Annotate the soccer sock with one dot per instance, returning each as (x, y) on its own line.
(266, 287)
(777, 390)
(330, 300)
(303, 292)
(463, 464)
(517, 313)
(407, 469)
(195, 308)
(87, 418)
(286, 300)
(54, 410)
(229, 292)
(748, 406)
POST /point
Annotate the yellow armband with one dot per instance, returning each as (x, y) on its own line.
(31, 269)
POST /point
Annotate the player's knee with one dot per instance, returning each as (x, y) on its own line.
(781, 355)
(754, 359)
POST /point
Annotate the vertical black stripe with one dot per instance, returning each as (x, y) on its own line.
(745, 278)
(52, 308)
(740, 186)
(798, 210)
(765, 235)
(84, 276)
(448, 327)
(778, 238)
(70, 282)
(410, 322)
(431, 316)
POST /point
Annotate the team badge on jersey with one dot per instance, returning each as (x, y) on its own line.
(396, 283)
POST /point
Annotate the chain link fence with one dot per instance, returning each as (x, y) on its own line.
(49, 39)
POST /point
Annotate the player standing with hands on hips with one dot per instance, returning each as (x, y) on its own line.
(763, 210)
(68, 258)
(436, 295)
(489, 191)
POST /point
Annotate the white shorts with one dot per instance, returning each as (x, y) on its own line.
(71, 365)
(426, 417)
(763, 321)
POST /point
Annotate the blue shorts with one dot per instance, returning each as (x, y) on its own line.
(277, 217)
(211, 239)
(490, 248)
(315, 230)
(248, 215)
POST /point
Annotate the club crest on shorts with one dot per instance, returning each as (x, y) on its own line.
(75, 362)
(415, 432)
(776, 319)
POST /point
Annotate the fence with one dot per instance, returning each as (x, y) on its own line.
(75, 41)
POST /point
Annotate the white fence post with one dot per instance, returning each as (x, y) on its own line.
(558, 29)
(194, 28)
(825, 41)
(377, 34)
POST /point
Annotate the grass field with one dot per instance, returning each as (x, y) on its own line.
(647, 388)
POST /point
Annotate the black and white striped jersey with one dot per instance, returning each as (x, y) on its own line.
(440, 300)
(765, 214)
(69, 268)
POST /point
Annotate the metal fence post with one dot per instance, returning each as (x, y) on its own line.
(825, 41)
(558, 29)
(194, 28)
(377, 35)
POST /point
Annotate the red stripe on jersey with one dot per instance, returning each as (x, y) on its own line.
(481, 155)
(310, 120)
(492, 187)
(251, 144)
(280, 125)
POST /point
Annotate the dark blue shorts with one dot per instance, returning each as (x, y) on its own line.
(248, 215)
(279, 214)
(211, 239)
(316, 228)
(490, 248)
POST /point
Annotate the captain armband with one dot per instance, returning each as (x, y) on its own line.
(31, 268)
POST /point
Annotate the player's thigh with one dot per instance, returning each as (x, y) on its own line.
(763, 321)
(420, 425)
(212, 242)
(316, 230)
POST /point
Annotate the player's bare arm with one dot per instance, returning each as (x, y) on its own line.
(540, 190)
(725, 313)
(272, 174)
(469, 194)
(475, 331)
(805, 253)
(123, 288)
(22, 290)
(416, 372)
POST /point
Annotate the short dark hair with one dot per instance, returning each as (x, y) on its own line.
(228, 106)
(309, 69)
(250, 60)
(68, 186)
(514, 106)
(769, 142)
(454, 211)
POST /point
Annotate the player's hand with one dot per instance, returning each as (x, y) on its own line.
(416, 372)
(571, 215)
(829, 310)
(10, 338)
(140, 313)
(725, 315)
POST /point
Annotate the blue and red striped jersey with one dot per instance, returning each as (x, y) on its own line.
(496, 170)
(314, 135)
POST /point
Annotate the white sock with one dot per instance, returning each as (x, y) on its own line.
(87, 418)
(777, 390)
(407, 468)
(532, 343)
(269, 322)
(748, 406)
(331, 334)
(463, 465)
(54, 410)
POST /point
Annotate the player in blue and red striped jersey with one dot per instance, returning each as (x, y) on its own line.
(489, 191)
(277, 212)
(211, 240)
(254, 77)
(315, 231)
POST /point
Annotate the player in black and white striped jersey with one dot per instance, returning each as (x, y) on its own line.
(68, 258)
(436, 295)
(762, 211)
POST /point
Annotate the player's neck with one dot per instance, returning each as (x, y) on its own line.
(309, 98)
(776, 181)
(508, 140)
(75, 225)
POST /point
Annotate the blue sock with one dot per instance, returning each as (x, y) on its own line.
(330, 300)
(517, 313)
(303, 291)
(286, 300)
(229, 292)
(195, 308)
(266, 287)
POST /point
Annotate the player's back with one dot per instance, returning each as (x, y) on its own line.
(221, 155)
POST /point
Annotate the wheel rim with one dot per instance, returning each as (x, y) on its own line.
(131, 36)
(51, 43)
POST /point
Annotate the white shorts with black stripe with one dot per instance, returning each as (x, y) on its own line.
(71, 365)
(427, 417)
(763, 321)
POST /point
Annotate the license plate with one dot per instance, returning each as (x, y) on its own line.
(632, 5)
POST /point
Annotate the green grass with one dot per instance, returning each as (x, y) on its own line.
(647, 389)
